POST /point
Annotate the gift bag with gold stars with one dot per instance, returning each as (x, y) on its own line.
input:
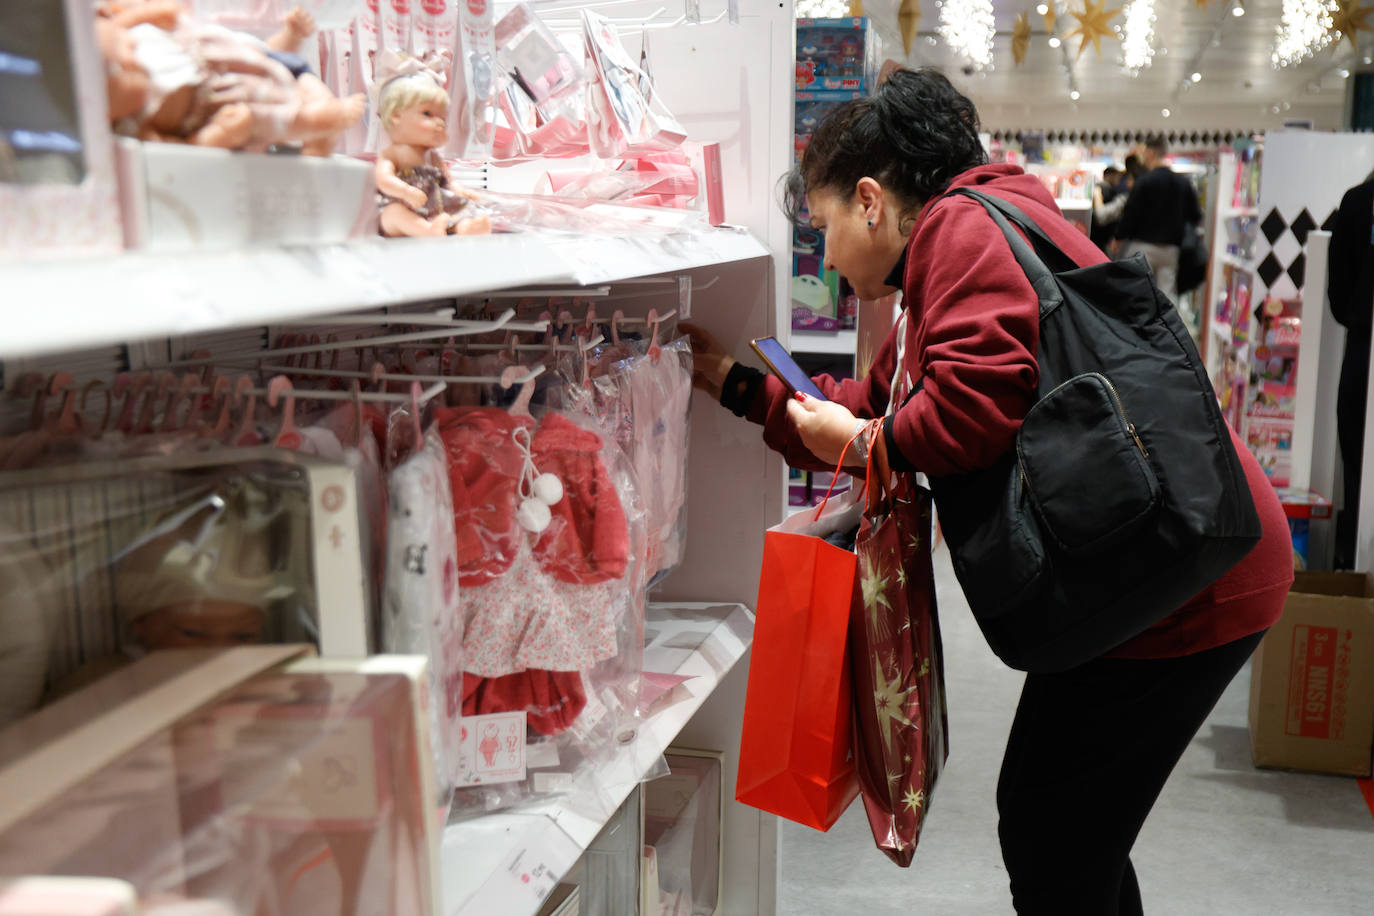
(900, 721)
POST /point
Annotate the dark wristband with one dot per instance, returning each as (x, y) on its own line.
(741, 386)
(895, 459)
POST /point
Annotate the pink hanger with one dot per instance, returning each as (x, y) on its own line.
(357, 413)
(245, 434)
(198, 401)
(615, 326)
(521, 407)
(653, 340)
(165, 382)
(109, 405)
(221, 394)
(66, 421)
(378, 370)
(179, 397)
(288, 436)
(130, 385)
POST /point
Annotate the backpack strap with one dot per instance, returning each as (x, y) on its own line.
(1040, 276)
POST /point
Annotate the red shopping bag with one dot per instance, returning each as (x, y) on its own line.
(796, 748)
(901, 723)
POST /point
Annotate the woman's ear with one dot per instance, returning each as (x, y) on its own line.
(870, 196)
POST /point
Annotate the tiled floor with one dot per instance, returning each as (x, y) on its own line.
(1223, 839)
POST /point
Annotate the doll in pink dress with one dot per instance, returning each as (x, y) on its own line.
(415, 194)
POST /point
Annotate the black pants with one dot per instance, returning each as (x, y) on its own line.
(1089, 752)
(1350, 407)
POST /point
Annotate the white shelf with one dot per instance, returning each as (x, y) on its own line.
(1237, 262)
(1076, 204)
(508, 861)
(1222, 330)
(841, 342)
(1234, 212)
(129, 297)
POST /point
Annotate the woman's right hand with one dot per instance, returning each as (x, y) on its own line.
(710, 362)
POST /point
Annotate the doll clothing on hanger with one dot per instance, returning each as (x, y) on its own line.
(420, 612)
(587, 541)
(551, 700)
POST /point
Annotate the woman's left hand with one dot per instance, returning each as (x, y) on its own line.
(824, 426)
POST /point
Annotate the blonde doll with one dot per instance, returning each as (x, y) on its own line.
(415, 193)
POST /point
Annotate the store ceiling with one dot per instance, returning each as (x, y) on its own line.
(1239, 88)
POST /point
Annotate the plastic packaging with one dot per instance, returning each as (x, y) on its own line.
(303, 790)
(533, 58)
(621, 117)
(110, 560)
(682, 824)
(420, 610)
(473, 85)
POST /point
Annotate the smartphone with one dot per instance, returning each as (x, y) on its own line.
(781, 364)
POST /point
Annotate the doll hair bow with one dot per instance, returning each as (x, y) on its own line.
(394, 65)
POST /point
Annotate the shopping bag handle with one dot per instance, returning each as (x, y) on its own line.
(838, 468)
(883, 488)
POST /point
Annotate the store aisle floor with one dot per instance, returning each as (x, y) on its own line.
(1224, 838)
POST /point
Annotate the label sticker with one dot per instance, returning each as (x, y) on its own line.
(492, 749)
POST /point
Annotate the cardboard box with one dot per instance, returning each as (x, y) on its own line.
(176, 197)
(1312, 679)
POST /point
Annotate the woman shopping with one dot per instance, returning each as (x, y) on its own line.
(1092, 746)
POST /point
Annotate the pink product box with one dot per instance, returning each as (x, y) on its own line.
(237, 776)
(57, 177)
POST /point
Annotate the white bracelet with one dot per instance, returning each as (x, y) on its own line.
(862, 443)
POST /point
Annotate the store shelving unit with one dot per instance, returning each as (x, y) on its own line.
(716, 82)
(1219, 338)
(840, 343)
(508, 862)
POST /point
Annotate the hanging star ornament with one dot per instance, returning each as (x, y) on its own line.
(1347, 20)
(1051, 17)
(909, 18)
(856, 9)
(1020, 39)
(1201, 4)
(1092, 25)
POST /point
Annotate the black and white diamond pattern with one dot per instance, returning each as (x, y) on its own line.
(1284, 267)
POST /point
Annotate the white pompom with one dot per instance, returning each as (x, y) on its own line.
(548, 489)
(533, 516)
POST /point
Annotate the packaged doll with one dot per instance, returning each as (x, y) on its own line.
(174, 78)
(415, 193)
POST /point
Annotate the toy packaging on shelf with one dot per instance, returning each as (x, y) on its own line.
(683, 812)
(234, 776)
(114, 559)
(837, 54)
(1271, 410)
(58, 191)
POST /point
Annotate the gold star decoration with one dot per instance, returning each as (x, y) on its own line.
(913, 799)
(909, 17)
(1201, 4)
(925, 667)
(856, 9)
(1020, 39)
(1092, 25)
(890, 701)
(1051, 17)
(1347, 20)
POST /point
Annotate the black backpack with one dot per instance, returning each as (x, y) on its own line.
(1123, 497)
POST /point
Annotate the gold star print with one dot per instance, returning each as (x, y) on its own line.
(901, 576)
(893, 778)
(909, 17)
(1092, 25)
(913, 800)
(925, 668)
(1347, 20)
(1020, 39)
(915, 542)
(874, 588)
(890, 701)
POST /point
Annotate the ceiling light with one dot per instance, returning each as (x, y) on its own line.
(1368, 59)
(1138, 39)
(1304, 29)
(1196, 77)
(1054, 41)
(1164, 111)
(1238, 10)
(967, 27)
(1073, 94)
(1042, 8)
(1345, 74)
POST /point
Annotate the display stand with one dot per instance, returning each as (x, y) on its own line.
(728, 81)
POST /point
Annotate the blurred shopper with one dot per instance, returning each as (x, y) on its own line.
(1161, 203)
